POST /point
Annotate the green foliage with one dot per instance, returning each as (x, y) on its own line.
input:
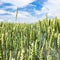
(37, 41)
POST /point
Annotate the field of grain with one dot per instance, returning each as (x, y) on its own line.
(35, 41)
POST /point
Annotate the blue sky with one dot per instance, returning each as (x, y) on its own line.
(28, 10)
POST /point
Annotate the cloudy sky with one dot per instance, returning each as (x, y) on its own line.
(28, 10)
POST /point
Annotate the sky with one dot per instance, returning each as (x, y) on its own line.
(29, 11)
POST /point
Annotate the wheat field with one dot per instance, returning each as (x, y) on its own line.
(35, 41)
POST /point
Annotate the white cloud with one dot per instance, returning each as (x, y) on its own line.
(23, 17)
(44, 10)
(2, 11)
(13, 7)
(1, 19)
(52, 8)
(29, 19)
(19, 3)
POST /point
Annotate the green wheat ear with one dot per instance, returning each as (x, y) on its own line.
(16, 13)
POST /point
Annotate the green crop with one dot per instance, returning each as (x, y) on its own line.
(35, 41)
